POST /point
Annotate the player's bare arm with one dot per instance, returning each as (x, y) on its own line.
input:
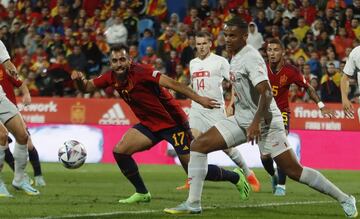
(82, 83)
(324, 109)
(26, 97)
(347, 105)
(169, 83)
(230, 106)
(253, 131)
(10, 68)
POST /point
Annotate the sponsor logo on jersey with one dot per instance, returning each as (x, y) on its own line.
(283, 80)
(200, 74)
(114, 116)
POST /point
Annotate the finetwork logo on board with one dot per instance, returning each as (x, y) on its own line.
(114, 116)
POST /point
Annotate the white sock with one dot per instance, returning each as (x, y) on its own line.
(20, 156)
(197, 170)
(2, 156)
(236, 156)
(317, 181)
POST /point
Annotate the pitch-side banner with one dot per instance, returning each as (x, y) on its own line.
(117, 112)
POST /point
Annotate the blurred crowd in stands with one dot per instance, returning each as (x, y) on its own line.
(47, 39)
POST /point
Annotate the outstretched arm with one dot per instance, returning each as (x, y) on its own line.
(206, 102)
(324, 110)
(81, 82)
(253, 131)
(347, 105)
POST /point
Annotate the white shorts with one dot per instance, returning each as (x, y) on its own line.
(7, 110)
(273, 139)
(203, 120)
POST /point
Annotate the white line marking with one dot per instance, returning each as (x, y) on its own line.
(205, 208)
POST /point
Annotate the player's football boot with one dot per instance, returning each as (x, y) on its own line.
(39, 181)
(253, 181)
(26, 187)
(185, 208)
(242, 185)
(186, 186)
(28, 178)
(280, 191)
(136, 198)
(349, 206)
(274, 182)
(4, 193)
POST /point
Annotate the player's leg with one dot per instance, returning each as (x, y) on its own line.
(236, 156)
(35, 163)
(3, 146)
(285, 158)
(224, 134)
(16, 126)
(134, 140)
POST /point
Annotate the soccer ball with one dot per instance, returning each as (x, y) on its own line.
(72, 154)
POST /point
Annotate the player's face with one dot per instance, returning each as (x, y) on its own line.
(235, 39)
(274, 52)
(119, 62)
(203, 46)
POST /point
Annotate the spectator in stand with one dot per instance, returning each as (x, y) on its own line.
(131, 24)
(259, 6)
(330, 85)
(93, 55)
(356, 8)
(314, 64)
(191, 17)
(222, 9)
(134, 54)
(159, 66)
(77, 59)
(111, 20)
(341, 42)
(271, 10)
(323, 42)
(168, 41)
(261, 21)
(308, 11)
(204, 9)
(295, 51)
(254, 37)
(220, 45)
(171, 64)
(17, 34)
(301, 30)
(147, 40)
(331, 57)
(117, 33)
(188, 52)
(149, 57)
(182, 77)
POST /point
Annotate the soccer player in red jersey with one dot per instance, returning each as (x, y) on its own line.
(161, 118)
(8, 83)
(281, 76)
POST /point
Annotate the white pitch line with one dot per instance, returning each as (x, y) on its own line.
(206, 208)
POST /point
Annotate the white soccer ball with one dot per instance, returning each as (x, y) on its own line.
(72, 154)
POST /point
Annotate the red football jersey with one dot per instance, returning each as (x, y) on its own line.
(8, 83)
(281, 81)
(152, 104)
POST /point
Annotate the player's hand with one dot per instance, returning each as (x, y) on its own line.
(208, 102)
(348, 108)
(253, 133)
(327, 112)
(76, 75)
(26, 99)
(229, 111)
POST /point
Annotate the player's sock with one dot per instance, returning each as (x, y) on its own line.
(236, 156)
(35, 162)
(9, 158)
(216, 173)
(317, 181)
(20, 156)
(130, 170)
(197, 171)
(281, 177)
(268, 164)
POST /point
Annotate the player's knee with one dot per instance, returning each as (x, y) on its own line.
(22, 138)
(121, 148)
(265, 157)
(199, 145)
(3, 137)
(293, 173)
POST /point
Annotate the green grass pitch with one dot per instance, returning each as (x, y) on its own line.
(93, 190)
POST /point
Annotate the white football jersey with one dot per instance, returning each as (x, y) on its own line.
(4, 55)
(207, 76)
(352, 65)
(247, 69)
